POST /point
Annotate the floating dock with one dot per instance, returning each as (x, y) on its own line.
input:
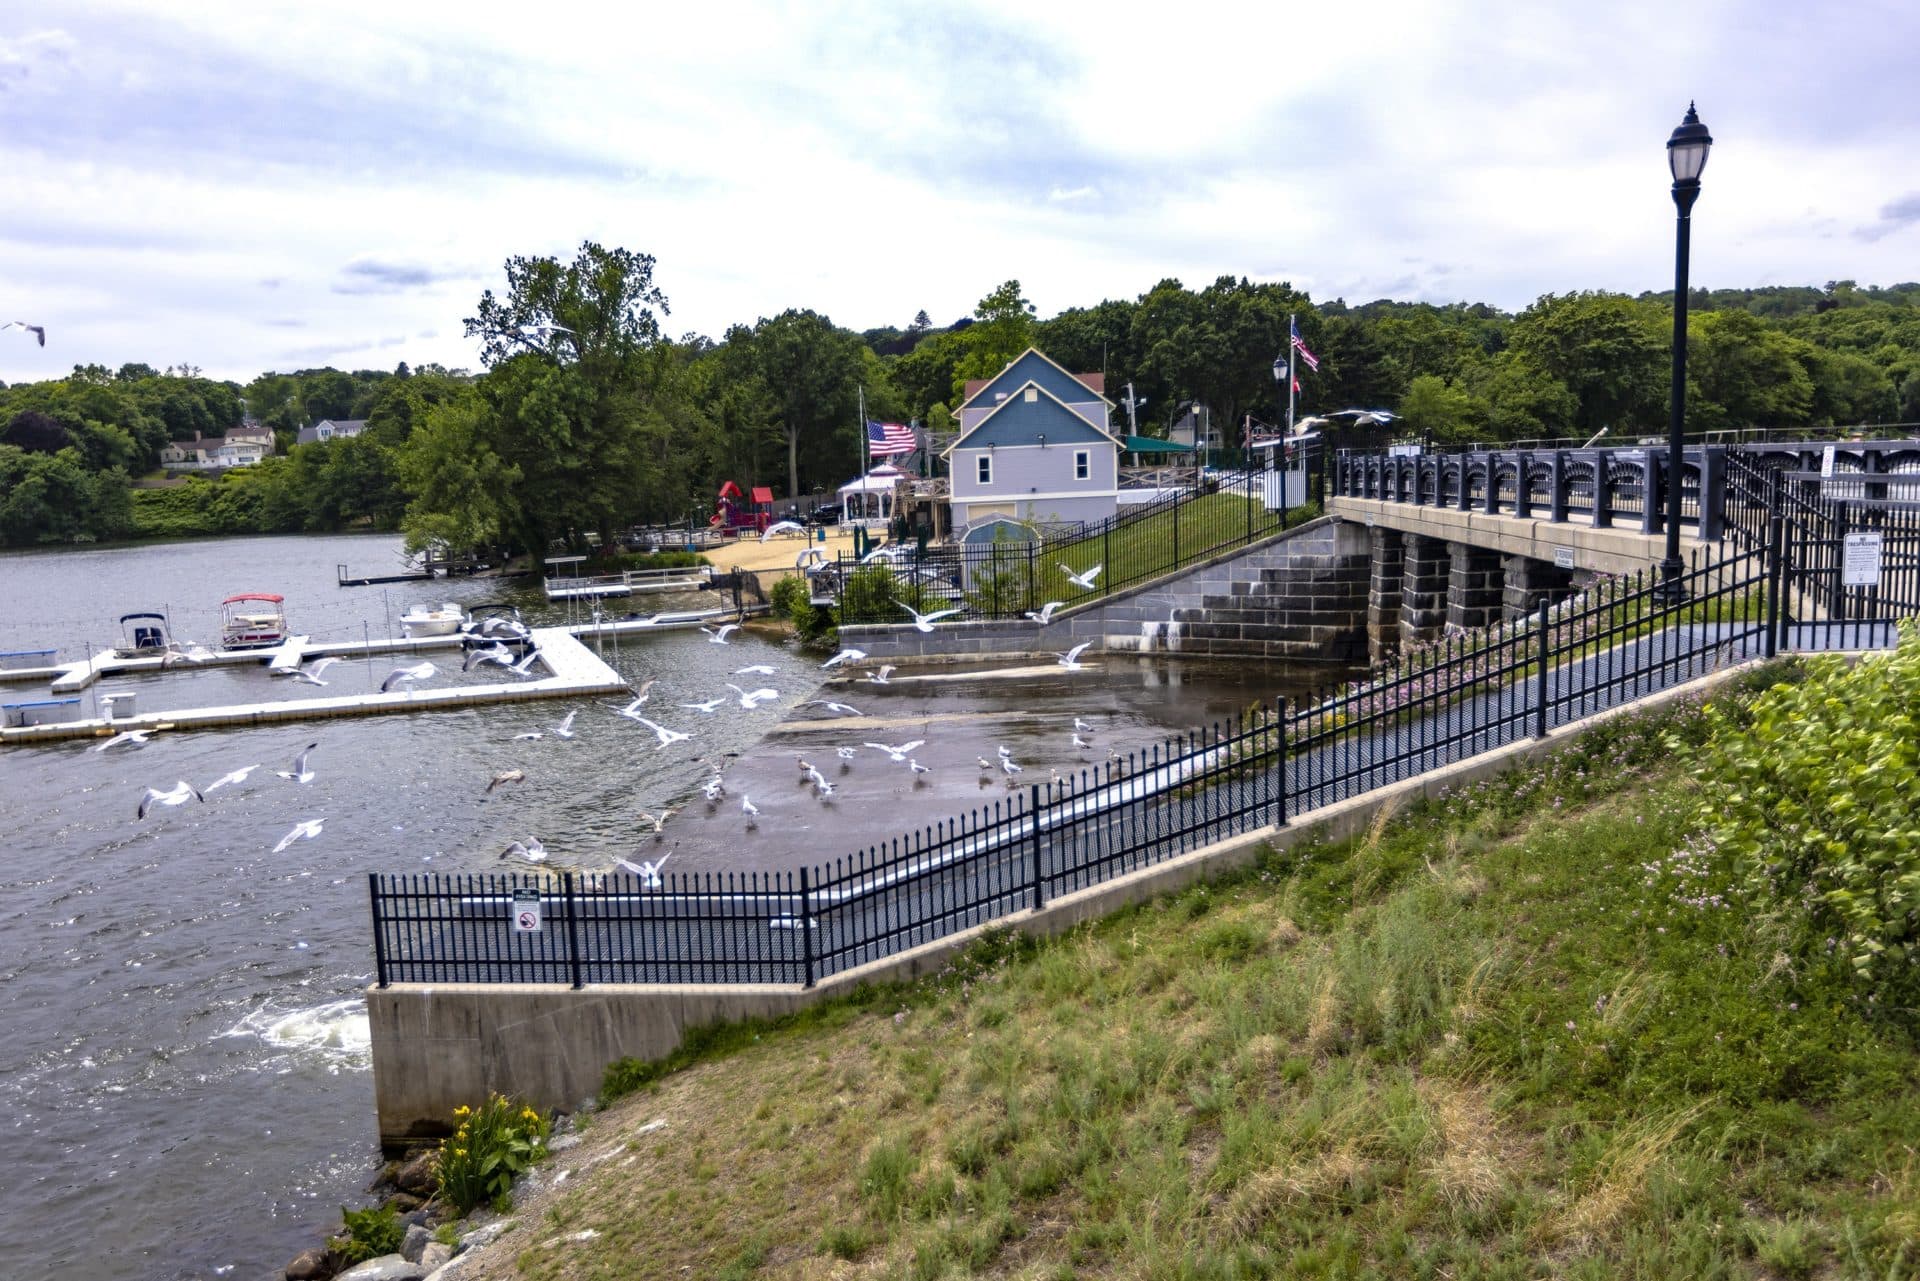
(573, 671)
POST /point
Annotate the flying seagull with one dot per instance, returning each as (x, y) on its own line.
(752, 698)
(649, 873)
(137, 736)
(238, 776)
(487, 654)
(659, 821)
(1071, 658)
(531, 332)
(525, 666)
(880, 674)
(417, 672)
(305, 830)
(179, 794)
(706, 708)
(188, 652)
(299, 773)
(782, 527)
(667, 737)
(531, 736)
(38, 331)
(846, 753)
(1083, 581)
(719, 636)
(310, 673)
(897, 754)
(842, 709)
(507, 776)
(532, 850)
(926, 621)
(844, 656)
(1044, 614)
(755, 669)
(565, 728)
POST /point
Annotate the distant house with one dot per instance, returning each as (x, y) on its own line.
(1034, 446)
(330, 429)
(1195, 427)
(241, 447)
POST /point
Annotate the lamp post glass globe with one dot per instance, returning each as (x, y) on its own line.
(1686, 157)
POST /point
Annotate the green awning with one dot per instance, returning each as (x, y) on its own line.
(1148, 445)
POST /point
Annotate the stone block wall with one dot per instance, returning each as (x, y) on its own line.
(1527, 580)
(1384, 592)
(1476, 589)
(1427, 567)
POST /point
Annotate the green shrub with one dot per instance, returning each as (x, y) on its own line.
(369, 1234)
(1807, 804)
(792, 599)
(493, 1144)
(870, 594)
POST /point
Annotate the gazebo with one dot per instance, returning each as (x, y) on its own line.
(869, 499)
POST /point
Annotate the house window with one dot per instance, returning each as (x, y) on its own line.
(1082, 464)
(985, 469)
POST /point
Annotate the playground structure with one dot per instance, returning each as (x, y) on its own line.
(736, 513)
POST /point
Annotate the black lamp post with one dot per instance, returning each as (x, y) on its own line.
(1686, 157)
(1281, 372)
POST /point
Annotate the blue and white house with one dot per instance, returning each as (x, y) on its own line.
(1034, 446)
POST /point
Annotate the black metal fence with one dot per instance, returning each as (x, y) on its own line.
(1227, 510)
(1622, 640)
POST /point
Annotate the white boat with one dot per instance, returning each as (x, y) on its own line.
(442, 621)
(253, 620)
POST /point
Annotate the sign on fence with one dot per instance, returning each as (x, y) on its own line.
(1826, 463)
(526, 914)
(1860, 565)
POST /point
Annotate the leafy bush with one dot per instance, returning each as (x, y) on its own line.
(493, 1145)
(370, 1234)
(870, 595)
(1807, 796)
(615, 562)
(792, 600)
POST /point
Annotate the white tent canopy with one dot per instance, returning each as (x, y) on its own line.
(870, 497)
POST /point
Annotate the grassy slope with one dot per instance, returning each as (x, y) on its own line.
(1486, 1041)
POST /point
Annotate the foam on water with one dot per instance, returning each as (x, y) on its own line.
(336, 1030)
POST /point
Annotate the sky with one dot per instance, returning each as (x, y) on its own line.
(275, 186)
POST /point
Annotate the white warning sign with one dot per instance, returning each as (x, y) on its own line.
(526, 914)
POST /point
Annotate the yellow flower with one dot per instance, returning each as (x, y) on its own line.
(462, 1110)
(459, 1151)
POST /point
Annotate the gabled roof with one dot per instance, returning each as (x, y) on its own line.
(1034, 365)
(1020, 421)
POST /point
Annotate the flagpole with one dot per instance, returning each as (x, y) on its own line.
(1292, 367)
(866, 459)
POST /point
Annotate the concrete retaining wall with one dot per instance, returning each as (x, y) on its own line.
(437, 1046)
(1148, 618)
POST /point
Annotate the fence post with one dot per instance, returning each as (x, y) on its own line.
(1176, 525)
(1540, 678)
(1838, 612)
(573, 935)
(1033, 817)
(1280, 767)
(1106, 545)
(379, 929)
(1247, 477)
(1776, 534)
(806, 927)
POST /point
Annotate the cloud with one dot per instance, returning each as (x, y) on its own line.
(373, 276)
(1894, 216)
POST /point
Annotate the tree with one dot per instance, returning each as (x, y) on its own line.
(811, 372)
(1608, 351)
(1003, 327)
(1433, 405)
(1745, 373)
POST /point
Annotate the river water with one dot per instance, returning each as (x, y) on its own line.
(184, 1065)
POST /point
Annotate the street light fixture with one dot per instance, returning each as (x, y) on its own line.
(1281, 372)
(1686, 157)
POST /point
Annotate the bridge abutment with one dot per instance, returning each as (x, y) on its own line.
(1426, 567)
(1476, 590)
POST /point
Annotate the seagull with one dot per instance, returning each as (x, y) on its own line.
(1083, 581)
(667, 737)
(842, 709)
(532, 851)
(809, 558)
(507, 776)
(751, 810)
(307, 678)
(1071, 658)
(846, 753)
(844, 656)
(632, 710)
(916, 767)
(1044, 614)
(791, 923)
(751, 699)
(715, 788)
(137, 736)
(565, 728)
(659, 822)
(719, 637)
(299, 773)
(1083, 726)
(878, 553)
(782, 527)
(984, 764)
(528, 331)
(1002, 752)
(179, 794)
(530, 736)
(819, 780)
(38, 331)
(1008, 766)
(305, 830)
(1082, 743)
(187, 652)
(824, 790)
(418, 672)
(925, 622)
(238, 776)
(488, 654)
(756, 669)
(525, 666)
(305, 671)
(879, 676)
(706, 707)
(897, 754)
(649, 873)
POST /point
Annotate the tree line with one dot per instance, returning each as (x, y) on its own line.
(587, 418)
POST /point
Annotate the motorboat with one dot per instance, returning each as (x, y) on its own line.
(144, 635)
(253, 620)
(495, 623)
(423, 620)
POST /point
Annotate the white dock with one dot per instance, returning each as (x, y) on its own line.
(572, 669)
(631, 582)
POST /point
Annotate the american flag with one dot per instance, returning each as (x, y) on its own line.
(1313, 361)
(885, 440)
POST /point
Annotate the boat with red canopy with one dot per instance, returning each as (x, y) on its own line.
(252, 620)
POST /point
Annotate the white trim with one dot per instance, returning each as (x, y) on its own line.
(972, 500)
(1016, 360)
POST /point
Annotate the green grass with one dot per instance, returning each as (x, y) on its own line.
(1481, 1040)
